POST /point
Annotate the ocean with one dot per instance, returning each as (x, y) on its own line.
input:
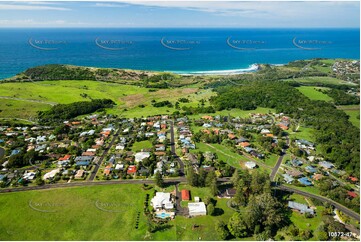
(182, 51)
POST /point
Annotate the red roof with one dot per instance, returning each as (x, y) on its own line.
(66, 157)
(352, 178)
(132, 170)
(352, 194)
(185, 195)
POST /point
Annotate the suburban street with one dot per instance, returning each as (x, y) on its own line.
(173, 150)
(279, 162)
(97, 165)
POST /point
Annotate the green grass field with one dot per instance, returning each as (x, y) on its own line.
(20, 109)
(223, 152)
(74, 214)
(354, 117)
(137, 146)
(313, 94)
(303, 133)
(128, 98)
(96, 213)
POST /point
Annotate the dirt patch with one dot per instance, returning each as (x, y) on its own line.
(133, 100)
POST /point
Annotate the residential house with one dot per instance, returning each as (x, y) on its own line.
(287, 178)
(250, 164)
(305, 181)
(326, 165)
(302, 208)
(162, 200)
(79, 174)
(131, 170)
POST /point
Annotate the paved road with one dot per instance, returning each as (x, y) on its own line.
(279, 162)
(173, 150)
(322, 199)
(175, 181)
(89, 183)
(97, 165)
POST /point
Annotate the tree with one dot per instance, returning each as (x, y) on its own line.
(39, 181)
(222, 230)
(192, 177)
(237, 226)
(265, 210)
(210, 178)
(202, 177)
(159, 179)
(213, 187)
(239, 197)
(210, 209)
(235, 178)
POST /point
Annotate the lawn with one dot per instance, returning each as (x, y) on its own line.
(303, 133)
(223, 152)
(137, 146)
(312, 93)
(354, 117)
(83, 213)
(20, 109)
(96, 213)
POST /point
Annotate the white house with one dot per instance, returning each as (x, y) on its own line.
(162, 200)
(51, 174)
(250, 164)
(197, 209)
(141, 156)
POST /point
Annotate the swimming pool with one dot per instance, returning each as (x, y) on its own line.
(163, 215)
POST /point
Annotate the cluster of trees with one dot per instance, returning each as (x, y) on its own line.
(61, 112)
(260, 214)
(162, 104)
(338, 193)
(23, 159)
(338, 139)
(342, 98)
(59, 72)
(202, 179)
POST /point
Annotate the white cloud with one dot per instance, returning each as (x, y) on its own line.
(30, 7)
(110, 5)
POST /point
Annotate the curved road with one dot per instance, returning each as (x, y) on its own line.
(340, 207)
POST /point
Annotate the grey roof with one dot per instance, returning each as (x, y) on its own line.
(303, 208)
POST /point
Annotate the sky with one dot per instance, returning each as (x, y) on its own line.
(165, 14)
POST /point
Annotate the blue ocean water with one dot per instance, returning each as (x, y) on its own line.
(178, 50)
